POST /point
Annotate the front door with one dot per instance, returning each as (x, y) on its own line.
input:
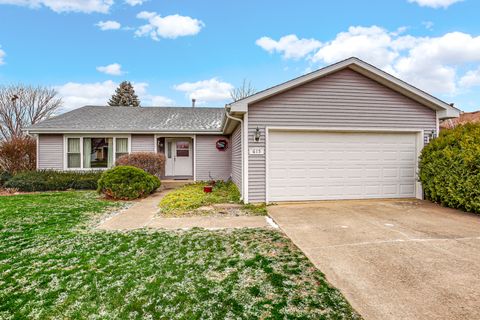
(178, 154)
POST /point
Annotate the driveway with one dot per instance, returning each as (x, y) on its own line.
(392, 259)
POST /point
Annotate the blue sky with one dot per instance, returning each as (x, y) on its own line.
(174, 50)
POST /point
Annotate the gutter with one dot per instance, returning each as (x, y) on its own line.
(241, 147)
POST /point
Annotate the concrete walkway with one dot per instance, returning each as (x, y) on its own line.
(143, 214)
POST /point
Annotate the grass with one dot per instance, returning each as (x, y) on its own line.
(191, 196)
(53, 265)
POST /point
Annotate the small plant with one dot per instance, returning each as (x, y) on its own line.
(450, 168)
(150, 162)
(51, 180)
(127, 183)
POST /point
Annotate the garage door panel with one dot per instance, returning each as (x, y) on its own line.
(329, 165)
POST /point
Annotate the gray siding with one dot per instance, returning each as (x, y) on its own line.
(143, 143)
(342, 99)
(237, 157)
(50, 151)
(212, 163)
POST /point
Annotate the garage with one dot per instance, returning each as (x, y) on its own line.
(323, 165)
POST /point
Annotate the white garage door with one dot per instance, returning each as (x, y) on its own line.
(334, 165)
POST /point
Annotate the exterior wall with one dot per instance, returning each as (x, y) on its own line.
(143, 143)
(236, 140)
(342, 99)
(50, 151)
(212, 163)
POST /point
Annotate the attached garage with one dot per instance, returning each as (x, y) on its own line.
(326, 165)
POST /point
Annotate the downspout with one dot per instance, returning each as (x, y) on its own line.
(241, 146)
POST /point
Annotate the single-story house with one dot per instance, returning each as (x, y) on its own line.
(347, 131)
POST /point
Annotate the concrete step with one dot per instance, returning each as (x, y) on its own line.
(174, 184)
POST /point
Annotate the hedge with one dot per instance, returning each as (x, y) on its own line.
(127, 183)
(449, 168)
(4, 177)
(50, 180)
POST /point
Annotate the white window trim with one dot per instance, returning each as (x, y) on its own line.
(93, 135)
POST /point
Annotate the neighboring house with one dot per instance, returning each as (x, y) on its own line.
(465, 117)
(347, 131)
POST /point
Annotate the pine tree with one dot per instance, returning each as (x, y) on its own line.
(124, 96)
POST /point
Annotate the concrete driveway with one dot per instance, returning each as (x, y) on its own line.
(392, 259)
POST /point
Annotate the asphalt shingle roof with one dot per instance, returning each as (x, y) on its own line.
(132, 119)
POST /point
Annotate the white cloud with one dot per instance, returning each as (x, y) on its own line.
(170, 27)
(290, 46)
(470, 79)
(77, 95)
(206, 90)
(434, 3)
(428, 25)
(134, 2)
(113, 69)
(85, 6)
(2, 56)
(108, 25)
(434, 64)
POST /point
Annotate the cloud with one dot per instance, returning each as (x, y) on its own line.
(85, 6)
(434, 3)
(428, 25)
(134, 3)
(206, 90)
(290, 46)
(108, 25)
(113, 69)
(75, 95)
(169, 27)
(2, 56)
(470, 79)
(434, 64)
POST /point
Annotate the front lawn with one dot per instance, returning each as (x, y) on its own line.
(189, 198)
(53, 265)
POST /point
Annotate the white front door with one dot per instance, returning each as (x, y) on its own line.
(340, 165)
(178, 154)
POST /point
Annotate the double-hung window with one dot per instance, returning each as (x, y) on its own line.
(95, 152)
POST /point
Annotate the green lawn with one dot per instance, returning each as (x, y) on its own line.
(190, 197)
(53, 265)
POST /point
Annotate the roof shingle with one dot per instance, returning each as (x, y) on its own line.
(133, 119)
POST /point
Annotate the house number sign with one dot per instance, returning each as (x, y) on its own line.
(256, 150)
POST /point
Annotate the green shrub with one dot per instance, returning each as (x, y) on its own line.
(127, 183)
(4, 177)
(450, 168)
(50, 180)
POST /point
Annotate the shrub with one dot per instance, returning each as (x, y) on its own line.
(18, 154)
(150, 162)
(4, 177)
(450, 168)
(127, 183)
(50, 180)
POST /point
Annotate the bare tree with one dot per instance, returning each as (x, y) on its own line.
(21, 106)
(245, 90)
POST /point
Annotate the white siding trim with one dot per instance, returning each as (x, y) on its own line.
(195, 158)
(419, 145)
(245, 152)
(37, 160)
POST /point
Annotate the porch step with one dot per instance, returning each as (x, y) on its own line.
(174, 184)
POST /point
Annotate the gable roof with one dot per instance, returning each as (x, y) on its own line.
(134, 120)
(445, 110)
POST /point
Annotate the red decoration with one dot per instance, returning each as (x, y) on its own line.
(207, 189)
(221, 145)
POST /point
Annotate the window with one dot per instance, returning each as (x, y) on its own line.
(183, 148)
(95, 152)
(169, 150)
(121, 147)
(73, 153)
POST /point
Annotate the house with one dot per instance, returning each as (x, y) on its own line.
(347, 131)
(465, 117)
